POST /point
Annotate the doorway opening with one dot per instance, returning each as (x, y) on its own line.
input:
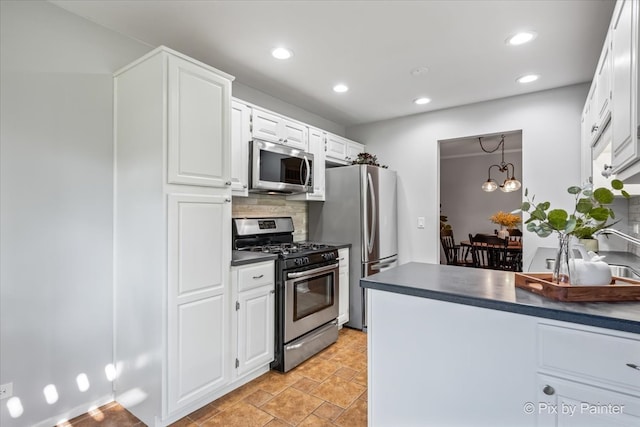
(465, 165)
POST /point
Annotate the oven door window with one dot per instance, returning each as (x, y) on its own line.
(312, 295)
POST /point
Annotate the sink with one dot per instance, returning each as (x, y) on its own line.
(624, 271)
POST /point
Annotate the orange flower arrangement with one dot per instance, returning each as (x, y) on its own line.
(505, 219)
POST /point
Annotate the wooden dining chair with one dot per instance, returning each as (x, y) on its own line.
(453, 253)
(489, 251)
(515, 235)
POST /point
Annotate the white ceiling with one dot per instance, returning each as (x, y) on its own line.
(372, 46)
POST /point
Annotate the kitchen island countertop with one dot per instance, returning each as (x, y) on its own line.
(496, 290)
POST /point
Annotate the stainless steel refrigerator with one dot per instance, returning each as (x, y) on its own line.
(359, 208)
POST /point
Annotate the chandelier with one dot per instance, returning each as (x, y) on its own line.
(510, 183)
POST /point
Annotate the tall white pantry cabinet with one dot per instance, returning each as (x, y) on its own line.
(172, 235)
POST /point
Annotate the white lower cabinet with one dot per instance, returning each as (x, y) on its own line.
(563, 403)
(254, 290)
(343, 279)
(485, 367)
(586, 376)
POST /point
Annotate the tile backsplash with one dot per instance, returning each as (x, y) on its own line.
(268, 205)
(634, 223)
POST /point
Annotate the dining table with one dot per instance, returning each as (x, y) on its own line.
(514, 248)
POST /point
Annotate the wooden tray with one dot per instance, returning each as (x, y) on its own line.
(620, 289)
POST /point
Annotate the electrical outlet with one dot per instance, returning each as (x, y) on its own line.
(6, 390)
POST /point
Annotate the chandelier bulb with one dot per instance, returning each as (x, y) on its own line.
(489, 185)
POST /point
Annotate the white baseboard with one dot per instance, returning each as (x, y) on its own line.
(75, 412)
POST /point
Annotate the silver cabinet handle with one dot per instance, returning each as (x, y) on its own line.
(227, 183)
(244, 186)
(594, 128)
(227, 200)
(548, 390)
(258, 277)
(341, 259)
(272, 291)
(633, 366)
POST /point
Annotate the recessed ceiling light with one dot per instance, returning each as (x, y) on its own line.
(340, 88)
(421, 101)
(281, 53)
(521, 38)
(528, 78)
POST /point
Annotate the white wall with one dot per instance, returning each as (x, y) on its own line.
(56, 204)
(56, 207)
(465, 204)
(550, 124)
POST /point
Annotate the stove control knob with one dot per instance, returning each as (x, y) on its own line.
(306, 260)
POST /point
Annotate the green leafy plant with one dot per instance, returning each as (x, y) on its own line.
(367, 159)
(591, 212)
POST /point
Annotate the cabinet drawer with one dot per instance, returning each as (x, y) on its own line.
(589, 354)
(255, 275)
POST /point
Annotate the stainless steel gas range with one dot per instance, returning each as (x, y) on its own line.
(306, 303)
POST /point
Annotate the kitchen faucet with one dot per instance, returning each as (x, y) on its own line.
(618, 233)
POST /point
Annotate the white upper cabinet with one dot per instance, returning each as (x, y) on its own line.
(240, 137)
(317, 139)
(274, 128)
(198, 125)
(624, 31)
(611, 108)
(342, 150)
(603, 86)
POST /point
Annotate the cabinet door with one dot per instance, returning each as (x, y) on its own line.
(316, 147)
(266, 126)
(343, 305)
(353, 149)
(603, 77)
(336, 148)
(240, 136)
(623, 140)
(255, 328)
(198, 125)
(564, 403)
(585, 146)
(295, 135)
(199, 253)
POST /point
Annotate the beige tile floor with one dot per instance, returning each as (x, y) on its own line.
(330, 389)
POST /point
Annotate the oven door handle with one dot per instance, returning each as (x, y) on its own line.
(312, 271)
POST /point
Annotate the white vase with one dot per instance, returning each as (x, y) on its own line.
(503, 233)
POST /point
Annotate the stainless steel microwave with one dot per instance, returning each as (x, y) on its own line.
(279, 169)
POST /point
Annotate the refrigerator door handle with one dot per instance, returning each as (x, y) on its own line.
(383, 265)
(374, 213)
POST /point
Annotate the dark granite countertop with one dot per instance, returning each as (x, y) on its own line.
(496, 290)
(247, 257)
